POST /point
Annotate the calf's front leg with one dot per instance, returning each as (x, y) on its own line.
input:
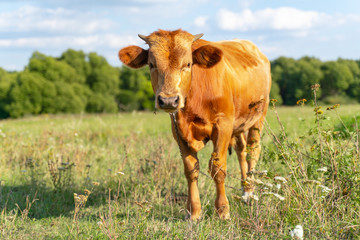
(221, 137)
(191, 170)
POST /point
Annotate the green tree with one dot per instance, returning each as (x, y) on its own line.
(25, 95)
(336, 79)
(309, 74)
(137, 82)
(6, 81)
(53, 69)
(103, 82)
(354, 87)
(287, 72)
(69, 98)
(294, 78)
(78, 61)
(276, 74)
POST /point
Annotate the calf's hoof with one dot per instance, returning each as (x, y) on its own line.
(194, 217)
(224, 212)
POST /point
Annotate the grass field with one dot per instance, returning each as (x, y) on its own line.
(121, 177)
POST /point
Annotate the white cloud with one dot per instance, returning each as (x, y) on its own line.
(200, 21)
(90, 42)
(284, 18)
(59, 20)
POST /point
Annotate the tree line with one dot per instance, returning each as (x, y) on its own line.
(77, 82)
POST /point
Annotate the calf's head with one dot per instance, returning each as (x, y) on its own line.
(170, 58)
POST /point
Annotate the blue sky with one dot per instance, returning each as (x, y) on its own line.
(293, 28)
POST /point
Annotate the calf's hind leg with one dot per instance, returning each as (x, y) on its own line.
(254, 145)
(248, 151)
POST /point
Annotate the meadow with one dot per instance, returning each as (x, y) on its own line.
(120, 176)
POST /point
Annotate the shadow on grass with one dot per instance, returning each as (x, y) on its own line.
(45, 201)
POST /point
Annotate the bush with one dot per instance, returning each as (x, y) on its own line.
(349, 125)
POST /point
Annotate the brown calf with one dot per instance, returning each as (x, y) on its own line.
(216, 91)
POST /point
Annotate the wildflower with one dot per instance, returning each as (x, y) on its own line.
(301, 102)
(297, 233)
(315, 87)
(76, 134)
(261, 173)
(280, 179)
(268, 185)
(247, 196)
(273, 102)
(87, 192)
(245, 183)
(256, 181)
(77, 198)
(281, 198)
(325, 189)
(99, 223)
(119, 173)
(95, 183)
(278, 186)
(333, 107)
(83, 198)
(318, 110)
(323, 169)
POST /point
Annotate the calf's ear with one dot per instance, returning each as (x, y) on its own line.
(207, 56)
(133, 56)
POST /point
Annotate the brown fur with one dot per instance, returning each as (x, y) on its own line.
(224, 98)
(133, 56)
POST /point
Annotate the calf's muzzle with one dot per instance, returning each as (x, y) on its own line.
(168, 103)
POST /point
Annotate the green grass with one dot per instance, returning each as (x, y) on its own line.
(45, 160)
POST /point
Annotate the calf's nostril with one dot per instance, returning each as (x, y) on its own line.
(161, 101)
(177, 100)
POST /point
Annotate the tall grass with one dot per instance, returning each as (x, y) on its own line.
(121, 176)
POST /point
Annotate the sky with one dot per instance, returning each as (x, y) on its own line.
(326, 29)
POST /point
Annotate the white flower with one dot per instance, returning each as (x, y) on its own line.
(119, 173)
(249, 195)
(76, 134)
(280, 179)
(262, 173)
(281, 198)
(297, 233)
(323, 169)
(256, 181)
(269, 185)
(278, 186)
(325, 189)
